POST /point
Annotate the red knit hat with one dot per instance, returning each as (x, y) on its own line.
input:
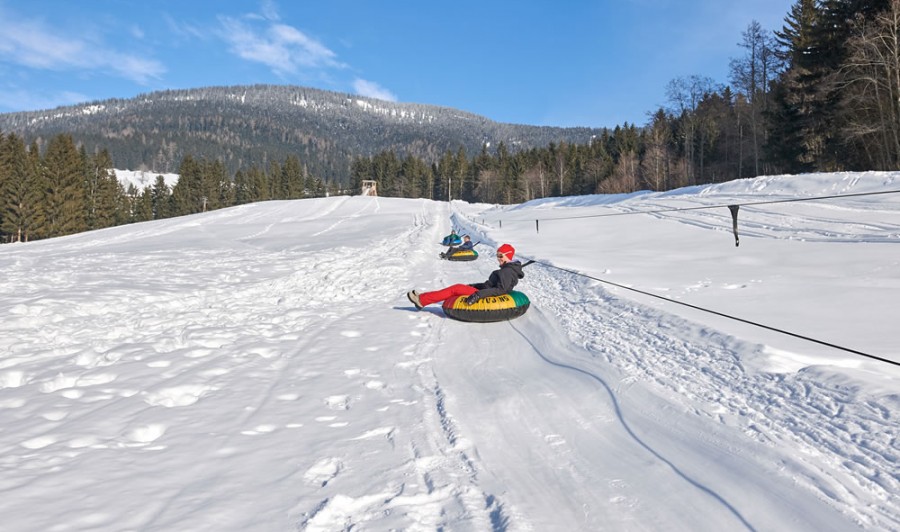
(507, 250)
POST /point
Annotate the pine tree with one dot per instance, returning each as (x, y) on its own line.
(386, 170)
(161, 199)
(218, 188)
(274, 180)
(64, 187)
(4, 183)
(312, 186)
(508, 172)
(410, 177)
(258, 184)
(35, 176)
(291, 182)
(464, 175)
(20, 196)
(445, 174)
(795, 138)
(143, 205)
(188, 195)
(100, 190)
(241, 188)
(23, 207)
(124, 205)
(485, 175)
(360, 170)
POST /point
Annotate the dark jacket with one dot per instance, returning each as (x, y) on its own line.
(501, 281)
(465, 246)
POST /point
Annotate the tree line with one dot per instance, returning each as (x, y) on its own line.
(64, 190)
(821, 94)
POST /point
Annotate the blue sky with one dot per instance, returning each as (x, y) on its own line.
(569, 63)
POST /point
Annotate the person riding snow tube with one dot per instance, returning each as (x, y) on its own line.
(464, 251)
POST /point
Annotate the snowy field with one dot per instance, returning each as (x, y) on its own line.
(260, 368)
(142, 179)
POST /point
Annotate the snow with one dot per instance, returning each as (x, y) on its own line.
(142, 179)
(260, 368)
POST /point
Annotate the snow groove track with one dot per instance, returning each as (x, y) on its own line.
(813, 412)
(437, 484)
(637, 439)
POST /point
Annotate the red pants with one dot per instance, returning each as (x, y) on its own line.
(427, 298)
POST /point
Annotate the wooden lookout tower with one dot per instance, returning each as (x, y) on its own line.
(369, 188)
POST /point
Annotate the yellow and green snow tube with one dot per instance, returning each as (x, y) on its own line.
(488, 309)
(465, 254)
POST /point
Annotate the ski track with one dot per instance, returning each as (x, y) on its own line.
(769, 221)
(805, 410)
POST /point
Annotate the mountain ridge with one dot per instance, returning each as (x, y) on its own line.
(245, 125)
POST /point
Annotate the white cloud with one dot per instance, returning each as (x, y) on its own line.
(289, 52)
(32, 45)
(371, 89)
(184, 30)
(269, 10)
(281, 47)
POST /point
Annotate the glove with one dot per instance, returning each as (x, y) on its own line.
(472, 299)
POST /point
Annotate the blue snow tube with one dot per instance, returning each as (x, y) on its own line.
(452, 240)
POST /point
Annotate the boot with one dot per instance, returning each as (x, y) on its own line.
(414, 298)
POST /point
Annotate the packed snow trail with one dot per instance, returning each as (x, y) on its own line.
(259, 368)
(637, 406)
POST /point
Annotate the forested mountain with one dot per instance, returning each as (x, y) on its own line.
(247, 126)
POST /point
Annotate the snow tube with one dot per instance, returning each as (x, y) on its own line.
(452, 240)
(465, 254)
(493, 308)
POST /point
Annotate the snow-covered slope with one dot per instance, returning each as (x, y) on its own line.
(259, 368)
(142, 179)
